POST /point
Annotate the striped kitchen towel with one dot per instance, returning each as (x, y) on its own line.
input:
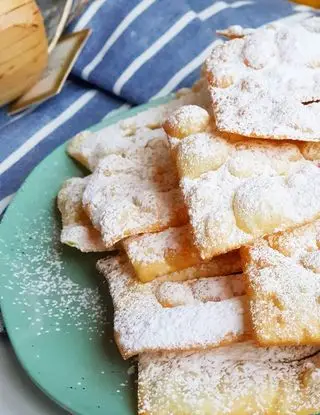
(138, 50)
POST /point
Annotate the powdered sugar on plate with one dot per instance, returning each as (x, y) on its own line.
(46, 297)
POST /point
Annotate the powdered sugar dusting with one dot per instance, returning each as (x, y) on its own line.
(135, 194)
(173, 294)
(155, 247)
(132, 133)
(228, 192)
(186, 120)
(134, 190)
(252, 381)
(274, 117)
(143, 323)
(77, 230)
(44, 291)
(171, 250)
(262, 94)
(282, 272)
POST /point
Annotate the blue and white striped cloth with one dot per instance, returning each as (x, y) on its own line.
(138, 50)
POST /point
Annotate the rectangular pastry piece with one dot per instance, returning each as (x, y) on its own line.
(77, 229)
(156, 254)
(283, 276)
(127, 196)
(174, 315)
(236, 379)
(238, 189)
(121, 139)
(134, 186)
(131, 133)
(267, 83)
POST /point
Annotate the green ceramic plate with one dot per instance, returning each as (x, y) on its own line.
(56, 308)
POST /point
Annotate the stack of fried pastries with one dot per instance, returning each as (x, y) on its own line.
(212, 202)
